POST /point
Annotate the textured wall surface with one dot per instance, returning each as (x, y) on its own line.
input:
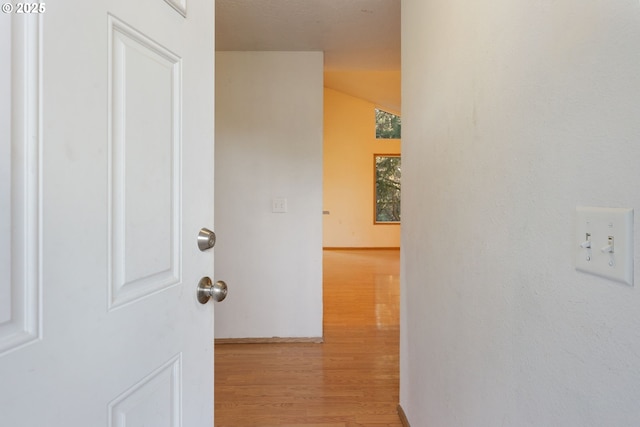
(514, 113)
(269, 145)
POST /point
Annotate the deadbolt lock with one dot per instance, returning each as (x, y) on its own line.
(206, 239)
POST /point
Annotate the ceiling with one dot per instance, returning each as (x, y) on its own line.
(360, 39)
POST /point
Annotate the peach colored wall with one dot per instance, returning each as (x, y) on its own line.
(349, 146)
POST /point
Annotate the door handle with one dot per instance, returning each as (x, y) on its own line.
(207, 289)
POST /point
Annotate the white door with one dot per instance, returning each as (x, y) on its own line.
(106, 154)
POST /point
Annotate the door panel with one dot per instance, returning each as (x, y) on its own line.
(146, 107)
(19, 185)
(111, 179)
(153, 401)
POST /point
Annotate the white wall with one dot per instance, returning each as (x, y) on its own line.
(514, 112)
(269, 145)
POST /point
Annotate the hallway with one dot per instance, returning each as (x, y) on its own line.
(349, 380)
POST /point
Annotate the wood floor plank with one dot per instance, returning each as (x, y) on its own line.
(349, 380)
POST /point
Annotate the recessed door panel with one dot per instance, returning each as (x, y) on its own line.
(19, 183)
(153, 401)
(145, 165)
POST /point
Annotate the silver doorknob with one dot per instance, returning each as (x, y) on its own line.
(207, 290)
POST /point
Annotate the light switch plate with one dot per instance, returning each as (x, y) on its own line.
(279, 205)
(599, 225)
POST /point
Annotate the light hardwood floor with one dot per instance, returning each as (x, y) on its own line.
(349, 380)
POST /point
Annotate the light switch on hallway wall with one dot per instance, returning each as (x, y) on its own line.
(279, 205)
(603, 242)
